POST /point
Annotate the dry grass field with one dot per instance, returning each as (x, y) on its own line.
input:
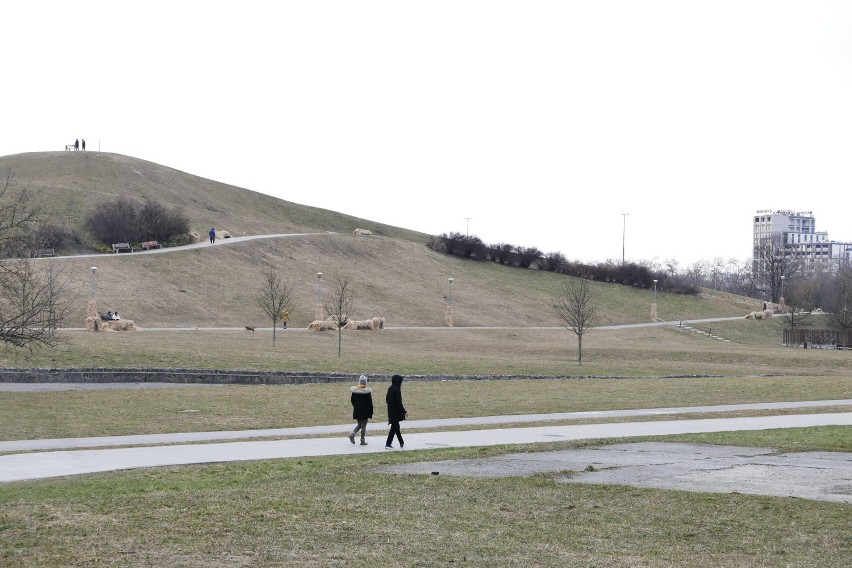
(334, 511)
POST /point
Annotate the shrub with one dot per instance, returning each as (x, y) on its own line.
(126, 221)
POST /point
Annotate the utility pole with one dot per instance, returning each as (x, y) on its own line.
(467, 230)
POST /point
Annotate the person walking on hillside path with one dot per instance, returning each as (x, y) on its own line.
(84, 144)
(362, 408)
(212, 235)
(76, 144)
(396, 411)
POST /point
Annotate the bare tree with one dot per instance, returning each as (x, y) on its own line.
(340, 306)
(274, 298)
(34, 300)
(798, 301)
(771, 264)
(838, 300)
(577, 309)
(33, 303)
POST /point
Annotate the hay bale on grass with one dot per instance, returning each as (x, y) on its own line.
(322, 325)
(370, 324)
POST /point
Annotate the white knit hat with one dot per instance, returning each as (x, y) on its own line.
(362, 380)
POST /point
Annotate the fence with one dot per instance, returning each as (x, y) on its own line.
(818, 338)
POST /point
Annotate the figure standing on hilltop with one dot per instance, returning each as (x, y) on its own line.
(362, 408)
(76, 144)
(212, 235)
(84, 144)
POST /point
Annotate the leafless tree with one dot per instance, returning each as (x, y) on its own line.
(274, 298)
(340, 305)
(798, 301)
(577, 309)
(838, 300)
(34, 300)
(771, 264)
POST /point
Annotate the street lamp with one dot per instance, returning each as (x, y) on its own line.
(655, 290)
(623, 235)
(450, 296)
(318, 310)
(781, 294)
(94, 270)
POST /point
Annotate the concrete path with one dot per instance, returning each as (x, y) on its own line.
(41, 465)
(185, 437)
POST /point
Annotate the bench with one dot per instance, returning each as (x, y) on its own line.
(148, 245)
(69, 147)
(43, 252)
(121, 247)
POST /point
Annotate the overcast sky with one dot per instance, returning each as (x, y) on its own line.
(541, 122)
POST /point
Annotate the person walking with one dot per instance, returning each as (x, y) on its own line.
(84, 144)
(76, 144)
(396, 411)
(362, 408)
(212, 235)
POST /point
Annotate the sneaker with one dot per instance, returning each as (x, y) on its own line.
(401, 446)
(352, 438)
(363, 442)
(388, 447)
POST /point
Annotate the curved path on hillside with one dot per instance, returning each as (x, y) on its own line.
(234, 240)
(219, 242)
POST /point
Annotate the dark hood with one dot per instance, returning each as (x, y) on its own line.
(396, 379)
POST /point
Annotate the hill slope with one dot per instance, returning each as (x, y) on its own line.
(76, 182)
(393, 274)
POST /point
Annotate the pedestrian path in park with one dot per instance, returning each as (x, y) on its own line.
(176, 451)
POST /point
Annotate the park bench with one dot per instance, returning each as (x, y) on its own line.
(148, 245)
(121, 247)
(43, 252)
(69, 147)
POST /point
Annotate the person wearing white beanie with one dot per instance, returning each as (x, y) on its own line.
(362, 408)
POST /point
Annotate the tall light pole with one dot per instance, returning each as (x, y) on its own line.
(654, 303)
(94, 271)
(623, 235)
(467, 230)
(781, 293)
(449, 318)
(319, 297)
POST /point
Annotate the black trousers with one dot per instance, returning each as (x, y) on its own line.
(394, 431)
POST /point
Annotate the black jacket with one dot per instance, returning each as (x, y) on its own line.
(362, 403)
(396, 411)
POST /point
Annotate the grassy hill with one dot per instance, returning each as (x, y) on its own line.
(76, 182)
(394, 275)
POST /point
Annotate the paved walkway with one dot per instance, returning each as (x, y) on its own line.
(47, 464)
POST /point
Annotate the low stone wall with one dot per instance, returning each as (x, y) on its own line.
(213, 377)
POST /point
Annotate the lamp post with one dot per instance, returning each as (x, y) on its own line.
(781, 293)
(94, 271)
(467, 230)
(654, 303)
(450, 302)
(623, 235)
(319, 297)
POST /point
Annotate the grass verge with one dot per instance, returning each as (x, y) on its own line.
(340, 511)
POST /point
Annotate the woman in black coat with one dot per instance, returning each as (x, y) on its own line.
(396, 411)
(362, 408)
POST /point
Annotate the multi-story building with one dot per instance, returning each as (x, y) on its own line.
(796, 231)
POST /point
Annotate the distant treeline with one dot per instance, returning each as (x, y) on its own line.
(629, 273)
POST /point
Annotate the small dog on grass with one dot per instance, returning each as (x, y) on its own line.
(249, 328)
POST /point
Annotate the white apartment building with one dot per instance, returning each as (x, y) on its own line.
(801, 239)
